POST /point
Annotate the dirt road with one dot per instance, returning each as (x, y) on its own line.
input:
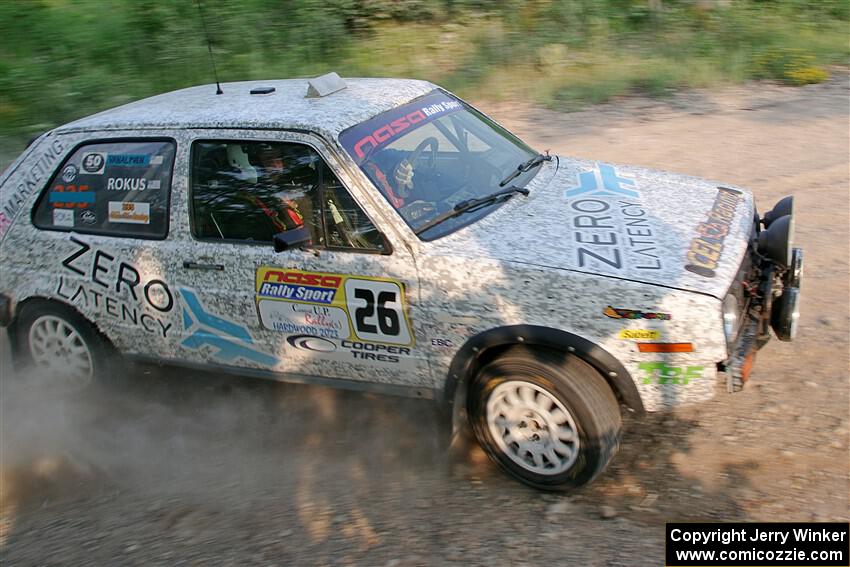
(195, 470)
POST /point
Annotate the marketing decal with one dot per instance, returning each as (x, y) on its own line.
(611, 228)
(227, 340)
(29, 183)
(114, 288)
(362, 140)
(129, 212)
(704, 253)
(663, 373)
(619, 313)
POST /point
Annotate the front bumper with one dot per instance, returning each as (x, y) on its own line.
(769, 293)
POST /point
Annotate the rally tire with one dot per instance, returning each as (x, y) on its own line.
(548, 419)
(58, 341)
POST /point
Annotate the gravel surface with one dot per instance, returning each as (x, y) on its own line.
(179, 468)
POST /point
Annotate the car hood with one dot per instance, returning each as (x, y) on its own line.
(621, 221)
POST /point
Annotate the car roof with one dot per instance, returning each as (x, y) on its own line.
(285, 108)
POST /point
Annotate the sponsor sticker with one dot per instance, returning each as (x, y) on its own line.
(704, 253)
(611, 228)
(69, 173)
(71, 196)
(663, 373)
(363, 140)
(638, 334)
(63, 218)
(618, 313)
(130, 212)
(128, 160)
(88, 217)
(337, 306)
(93, 163)
(126, 184)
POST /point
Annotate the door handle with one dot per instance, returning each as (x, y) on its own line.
(196, 266)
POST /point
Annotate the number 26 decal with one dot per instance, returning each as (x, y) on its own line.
(377, 311)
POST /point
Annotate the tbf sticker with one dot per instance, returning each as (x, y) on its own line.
(336, 306)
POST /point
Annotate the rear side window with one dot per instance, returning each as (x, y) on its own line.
(111, 188)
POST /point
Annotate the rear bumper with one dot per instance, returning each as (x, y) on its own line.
(5, 310)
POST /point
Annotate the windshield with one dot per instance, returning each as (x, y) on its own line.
(427, 156)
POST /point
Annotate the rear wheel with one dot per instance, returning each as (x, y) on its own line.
(57, 341)
(550, 420)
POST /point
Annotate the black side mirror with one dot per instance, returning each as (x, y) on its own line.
(292, 238)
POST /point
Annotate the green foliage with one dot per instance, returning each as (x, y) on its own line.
(62, 59)
(793, 66)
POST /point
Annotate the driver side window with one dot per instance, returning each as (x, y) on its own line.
(248, 191)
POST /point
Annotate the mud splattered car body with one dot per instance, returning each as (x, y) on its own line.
(386, 236)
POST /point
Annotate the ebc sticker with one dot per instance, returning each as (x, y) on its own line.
(334, 306)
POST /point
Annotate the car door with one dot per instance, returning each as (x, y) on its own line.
(103, 222)
(338, 304)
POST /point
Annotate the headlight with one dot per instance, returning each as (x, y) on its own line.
(730, 318)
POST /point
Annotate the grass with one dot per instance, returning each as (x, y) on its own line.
(62, 59)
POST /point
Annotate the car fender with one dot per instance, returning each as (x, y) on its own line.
(465, 362)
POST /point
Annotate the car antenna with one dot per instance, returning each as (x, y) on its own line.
(218, 90)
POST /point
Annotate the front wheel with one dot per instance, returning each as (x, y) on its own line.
(548, 419)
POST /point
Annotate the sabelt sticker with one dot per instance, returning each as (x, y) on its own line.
(334, 306)
(638, 334)
(93, 163)
(63, 218)
(130, 212)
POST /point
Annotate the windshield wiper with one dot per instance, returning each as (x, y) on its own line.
(471, 205)
(525, 166)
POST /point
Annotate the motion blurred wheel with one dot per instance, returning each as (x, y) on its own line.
(549, 420)
(65, 347)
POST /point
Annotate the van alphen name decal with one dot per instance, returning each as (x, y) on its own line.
(704, 253)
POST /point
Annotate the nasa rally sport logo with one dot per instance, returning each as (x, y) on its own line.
(309, 342)
(69, 173)
(93, 162)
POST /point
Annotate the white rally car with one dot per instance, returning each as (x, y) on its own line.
(384, 235)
